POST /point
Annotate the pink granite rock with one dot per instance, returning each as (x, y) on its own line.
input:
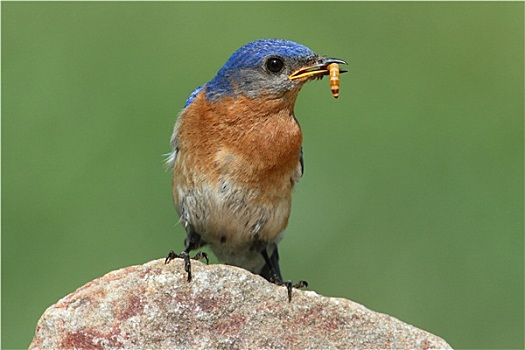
(152, 306)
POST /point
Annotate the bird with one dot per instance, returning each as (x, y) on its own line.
(237, 154)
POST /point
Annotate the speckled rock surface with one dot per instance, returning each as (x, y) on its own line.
(151, 306)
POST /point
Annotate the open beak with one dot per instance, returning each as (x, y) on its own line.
(317, 70)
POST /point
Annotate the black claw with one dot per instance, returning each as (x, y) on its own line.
(187, 263)
(301, 284)
(289, 286)
(272, 273)
(171, 255)
(201, 255)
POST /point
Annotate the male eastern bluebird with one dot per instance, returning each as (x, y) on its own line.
(237, 155)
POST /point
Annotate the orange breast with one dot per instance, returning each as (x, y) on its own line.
(253, 143)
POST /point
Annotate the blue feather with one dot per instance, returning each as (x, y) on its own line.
(192, 96)
(249, 56)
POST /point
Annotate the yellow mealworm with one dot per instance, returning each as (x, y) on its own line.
(334, 79)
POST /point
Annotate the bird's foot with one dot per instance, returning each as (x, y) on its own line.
(290, 286)
(187, 260)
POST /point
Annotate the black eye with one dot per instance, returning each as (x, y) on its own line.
(274, 64)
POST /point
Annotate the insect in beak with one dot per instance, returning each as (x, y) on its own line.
(326, 66)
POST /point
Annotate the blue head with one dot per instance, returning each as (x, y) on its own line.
(264, 67)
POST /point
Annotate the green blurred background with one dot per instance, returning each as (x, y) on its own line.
(412, 199)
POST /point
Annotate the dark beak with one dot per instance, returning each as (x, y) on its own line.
(317, 70)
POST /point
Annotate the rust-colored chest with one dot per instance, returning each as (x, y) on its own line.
(242, 139)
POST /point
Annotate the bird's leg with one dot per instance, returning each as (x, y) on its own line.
(187, 260)
(275, 275)
(192, 241)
